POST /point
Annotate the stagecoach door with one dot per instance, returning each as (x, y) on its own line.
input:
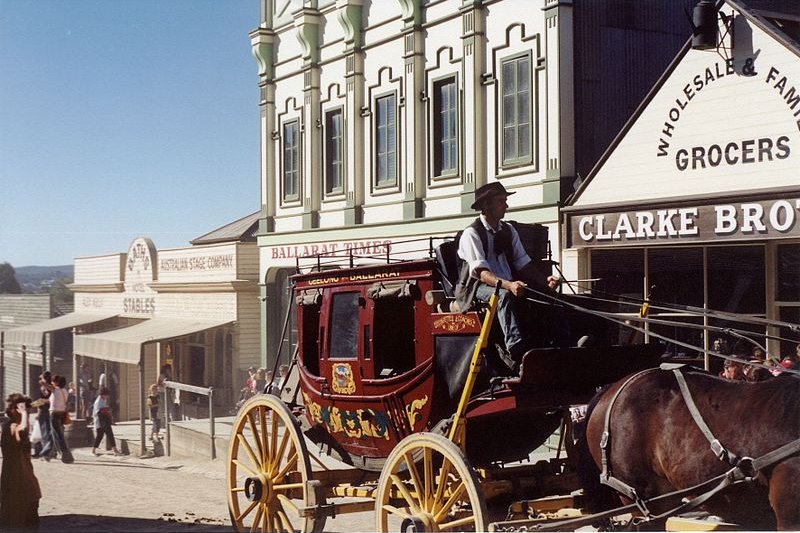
(344, 335)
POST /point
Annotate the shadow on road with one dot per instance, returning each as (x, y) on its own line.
(114, 524)
(125, 464)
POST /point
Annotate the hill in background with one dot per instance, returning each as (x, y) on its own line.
(36, 279)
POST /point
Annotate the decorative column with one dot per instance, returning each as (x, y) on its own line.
(351, 17)
(264, 42)
(476, 130)
(559, 96)
(307, 21)
(413, 134)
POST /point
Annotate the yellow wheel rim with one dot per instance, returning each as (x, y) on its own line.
(268, 470)
(428, 485)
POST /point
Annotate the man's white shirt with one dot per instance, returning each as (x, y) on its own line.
(470, 249)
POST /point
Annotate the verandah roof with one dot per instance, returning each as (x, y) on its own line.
(124, 345)
(31, 336)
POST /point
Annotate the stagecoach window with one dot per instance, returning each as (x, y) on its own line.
(344, 325)
(309, 328)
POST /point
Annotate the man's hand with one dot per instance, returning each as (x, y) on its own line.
(553, 281)
(515, 287)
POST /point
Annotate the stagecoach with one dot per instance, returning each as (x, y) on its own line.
(400, 403)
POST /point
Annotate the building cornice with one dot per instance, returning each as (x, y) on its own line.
(239, 285)
(96, 287)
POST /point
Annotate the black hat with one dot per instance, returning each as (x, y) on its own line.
(490, 190)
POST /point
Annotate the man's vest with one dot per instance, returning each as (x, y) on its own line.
(467, 285)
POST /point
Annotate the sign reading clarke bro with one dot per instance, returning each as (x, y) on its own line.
(777, 218)
(714, 154)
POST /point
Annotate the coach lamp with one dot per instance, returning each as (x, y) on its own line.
(704, 26)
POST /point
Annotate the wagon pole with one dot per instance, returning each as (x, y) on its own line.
(458, 431)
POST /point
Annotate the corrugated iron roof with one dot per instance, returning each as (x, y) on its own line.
(783, 17)
(243, 230)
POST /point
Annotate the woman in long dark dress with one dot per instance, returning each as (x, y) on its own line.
(19, 488)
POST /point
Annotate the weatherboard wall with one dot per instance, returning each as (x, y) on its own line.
(17, 310)
(215, 281)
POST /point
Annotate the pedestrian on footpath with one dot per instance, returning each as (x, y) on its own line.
(45, 448)
(102, 422)
(19, 488)
(58, 417)
(153, 402)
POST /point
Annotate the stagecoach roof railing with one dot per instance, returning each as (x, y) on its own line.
(626, 322)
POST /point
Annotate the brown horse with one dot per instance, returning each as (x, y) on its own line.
(656, 447)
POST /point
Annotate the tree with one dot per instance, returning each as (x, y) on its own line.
(61, 294)
(8, 280)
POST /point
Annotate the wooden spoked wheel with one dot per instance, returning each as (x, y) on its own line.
(428, 485)
(269, 470)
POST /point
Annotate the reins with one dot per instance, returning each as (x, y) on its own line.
(743, 469)
(625, 321)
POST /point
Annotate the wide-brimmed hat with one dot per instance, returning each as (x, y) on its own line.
(488, 191)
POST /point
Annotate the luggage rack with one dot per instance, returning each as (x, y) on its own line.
(417, 248)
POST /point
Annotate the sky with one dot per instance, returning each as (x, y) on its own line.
(124, 118)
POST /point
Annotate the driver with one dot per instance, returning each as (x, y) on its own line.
(492, 253)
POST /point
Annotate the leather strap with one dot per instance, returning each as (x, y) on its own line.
(743, 470)
(606, 477)
(719, 450)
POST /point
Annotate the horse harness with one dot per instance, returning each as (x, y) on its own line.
(743, 469)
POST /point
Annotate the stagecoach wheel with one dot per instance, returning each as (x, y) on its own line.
(269, 470)
(428, 485)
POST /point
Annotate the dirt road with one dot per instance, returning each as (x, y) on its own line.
(124, 493)
(121, 494)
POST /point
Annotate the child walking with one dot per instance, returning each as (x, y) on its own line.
(152, 404)
(102, 422)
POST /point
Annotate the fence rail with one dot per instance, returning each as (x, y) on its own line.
(203, 391)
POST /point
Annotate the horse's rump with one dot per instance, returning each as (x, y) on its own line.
(656, 447)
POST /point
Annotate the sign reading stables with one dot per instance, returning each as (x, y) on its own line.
(745, 220)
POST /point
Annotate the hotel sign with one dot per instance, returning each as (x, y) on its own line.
(140, 271)
(763, 219)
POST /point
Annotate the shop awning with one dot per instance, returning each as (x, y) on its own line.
(124, 345)
(32, 335)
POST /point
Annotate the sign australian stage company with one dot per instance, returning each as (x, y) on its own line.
(777, 218)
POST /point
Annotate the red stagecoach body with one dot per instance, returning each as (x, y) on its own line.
(377, 363)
